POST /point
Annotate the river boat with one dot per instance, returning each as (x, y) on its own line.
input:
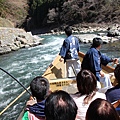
(56, 74)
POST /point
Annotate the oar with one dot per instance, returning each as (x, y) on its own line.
(16, 80)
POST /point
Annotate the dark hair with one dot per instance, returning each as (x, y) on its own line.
(86, 84)
(39, 87)
(60, 105)
(101, 109)
(96, 42)
(68, 30)
(117, 73)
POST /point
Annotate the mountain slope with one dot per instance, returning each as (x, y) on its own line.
(14, 10)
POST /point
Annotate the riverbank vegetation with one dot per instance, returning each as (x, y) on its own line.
(34, 14)
(14, 11)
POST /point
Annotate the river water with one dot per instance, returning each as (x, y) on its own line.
(25, 64)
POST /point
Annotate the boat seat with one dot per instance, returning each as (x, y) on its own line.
(66, 84)
(116, 105)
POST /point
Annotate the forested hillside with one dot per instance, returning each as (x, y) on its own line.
(34, 14)
(14, 11)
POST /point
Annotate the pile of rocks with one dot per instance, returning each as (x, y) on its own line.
(88, 38)
(87, 34)
(12, 39)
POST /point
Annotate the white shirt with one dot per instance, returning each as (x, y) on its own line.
(82, 108)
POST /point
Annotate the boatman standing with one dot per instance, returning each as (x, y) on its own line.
(69, 53)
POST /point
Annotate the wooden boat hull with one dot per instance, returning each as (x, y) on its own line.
(56, 74)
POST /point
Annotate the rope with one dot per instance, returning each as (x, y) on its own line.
(14, 101)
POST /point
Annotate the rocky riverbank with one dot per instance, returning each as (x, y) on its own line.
(86, 33)
(12, 39)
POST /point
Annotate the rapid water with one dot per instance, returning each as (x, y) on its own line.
(24, 65)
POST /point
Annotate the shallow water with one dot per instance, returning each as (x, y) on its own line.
(25, 64)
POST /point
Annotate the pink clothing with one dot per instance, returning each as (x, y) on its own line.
(33, 117)
(82, 108)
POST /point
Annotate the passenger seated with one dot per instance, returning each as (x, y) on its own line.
(86, 84)
(35, 108)
(101, 109)
(59, 105)
(113, 94)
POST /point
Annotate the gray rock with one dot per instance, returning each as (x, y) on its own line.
(4, 50)
(12, 39)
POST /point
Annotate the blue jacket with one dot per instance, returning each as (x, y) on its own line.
(35, 111)
(70, 48)
(92, 61)
(113, 94)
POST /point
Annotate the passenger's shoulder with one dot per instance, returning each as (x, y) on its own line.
(113, 89)
(100, 95)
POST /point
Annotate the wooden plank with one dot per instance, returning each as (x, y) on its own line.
(66, 84)
(55, 70)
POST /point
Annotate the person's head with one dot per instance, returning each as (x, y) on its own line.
(86, 82)
(96, 42)
(117, 73)
(39, 87)
(68, 30)
(101, 109)
(60, 105)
